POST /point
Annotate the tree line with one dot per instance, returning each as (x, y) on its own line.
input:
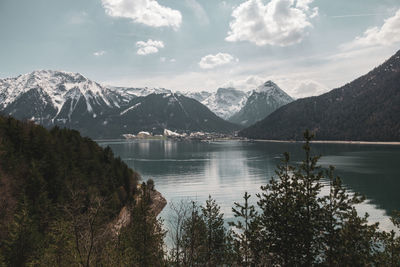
(292, 224)
(61, 193)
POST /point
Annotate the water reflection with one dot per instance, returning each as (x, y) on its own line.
(227, 169)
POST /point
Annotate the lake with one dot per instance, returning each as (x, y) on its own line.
(226, 169)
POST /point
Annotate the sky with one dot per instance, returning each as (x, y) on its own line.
(307, 47)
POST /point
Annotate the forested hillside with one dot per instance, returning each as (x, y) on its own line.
(61, 199)
(367, 109)
(58, 193)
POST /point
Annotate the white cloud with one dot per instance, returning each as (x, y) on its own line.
(307, 88)
(245, 84)
(164, 59)
(278, 23)
(99, 53)
(148, 12)
(212, 61)
(387, 34)
(149, 47)
(296, 87)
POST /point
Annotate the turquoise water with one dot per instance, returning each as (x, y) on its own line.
(225, 170)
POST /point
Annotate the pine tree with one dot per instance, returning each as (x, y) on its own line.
(60, 250)
(245, 224)
(22, 238)
(390, 256)
(194, 238)
(338, 210)
(283, 205)
(142, 239)
(215, 232)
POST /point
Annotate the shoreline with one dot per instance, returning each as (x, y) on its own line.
(332, 142)
(391, 143)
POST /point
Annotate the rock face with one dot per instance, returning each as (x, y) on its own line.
(158, 203)
(262, 101)
(367, 109)
(225, 102)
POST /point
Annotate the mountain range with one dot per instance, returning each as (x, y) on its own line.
(367, 109)
(71, 100)
(243, 108)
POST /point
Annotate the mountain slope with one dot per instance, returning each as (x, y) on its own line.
(225, 102)
(263, 101)
(50, 96)
(70, 100)
(366, 109)
(64, 198)
(157, 112)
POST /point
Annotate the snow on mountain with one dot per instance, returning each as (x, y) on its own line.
(261, 102)
(61, 93)
(71, 100)
(199, 96)
(55, 87)
(131, 92)
(225, 102)
(272, 92)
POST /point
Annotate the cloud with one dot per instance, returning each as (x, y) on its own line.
(387, 34)
(246, 84)
(307, 88)
(149, 47)
(99, 53)
(356, 15)
(199, 11)
(278, 23)
(164, 59)
(148, 12)
(212, 61)
(296, 87)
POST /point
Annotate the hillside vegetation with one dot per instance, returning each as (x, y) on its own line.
(367, 109)
(59, 192)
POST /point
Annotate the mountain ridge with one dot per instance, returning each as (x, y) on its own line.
(71, 100)
(225, 102)
(366, 109)
(261, 102)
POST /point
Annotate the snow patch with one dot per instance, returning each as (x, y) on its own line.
(130, 108)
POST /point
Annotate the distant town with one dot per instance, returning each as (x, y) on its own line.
(168, 134)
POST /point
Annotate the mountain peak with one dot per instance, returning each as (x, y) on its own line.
(267, 87)
(366, 109)
(262, 101)
(48, 73)
(271, 88)
(226, 89)
(270, 83)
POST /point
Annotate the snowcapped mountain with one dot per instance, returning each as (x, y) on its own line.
(225, 102)
(261, 102)
(71, 100)
(47, 96)
(128, 93)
